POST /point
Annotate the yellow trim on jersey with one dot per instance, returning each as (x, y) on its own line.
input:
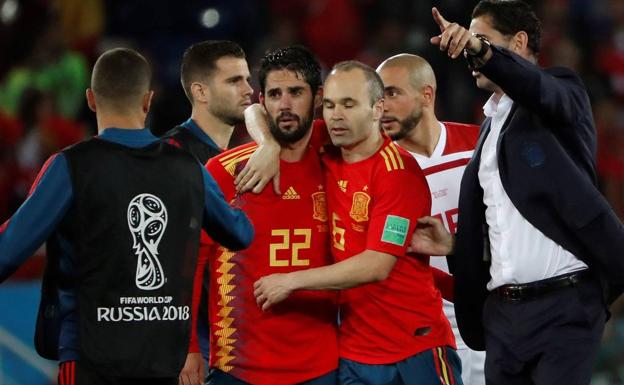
(230, 161)
(230, 166)
(383, 154)
(236, 153)
(392, 158)
(237, 158)
(396, 151)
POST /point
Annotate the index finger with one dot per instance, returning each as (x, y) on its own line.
(439, 19)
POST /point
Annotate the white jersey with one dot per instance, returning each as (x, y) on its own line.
(444, 171)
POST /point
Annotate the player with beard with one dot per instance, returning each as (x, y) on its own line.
(442, 149)
(295, 342)
(393, 329)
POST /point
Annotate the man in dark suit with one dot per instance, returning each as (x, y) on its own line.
(538, 252)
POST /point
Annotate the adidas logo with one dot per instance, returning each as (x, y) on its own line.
(342, 184)
(291, 194)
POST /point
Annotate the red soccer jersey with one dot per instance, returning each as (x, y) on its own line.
(295, 340)
(374, 204)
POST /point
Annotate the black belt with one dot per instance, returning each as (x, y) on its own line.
(525, 291)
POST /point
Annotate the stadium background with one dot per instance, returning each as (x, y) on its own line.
(47, 48)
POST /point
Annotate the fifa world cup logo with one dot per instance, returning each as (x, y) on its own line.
(147, 220)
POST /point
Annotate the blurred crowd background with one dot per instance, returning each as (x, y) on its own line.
(47, 48)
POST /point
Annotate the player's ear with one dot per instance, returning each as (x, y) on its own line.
(318, 98)
(90, 99)
(147, 101)
(378, 109)
(261, 98)
(199, 92)
(519, 42)
(428, 94)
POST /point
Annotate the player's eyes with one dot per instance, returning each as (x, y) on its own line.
(328, 105)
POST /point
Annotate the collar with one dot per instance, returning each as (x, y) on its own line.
(129, 137)
(199, 133)
(493, 108)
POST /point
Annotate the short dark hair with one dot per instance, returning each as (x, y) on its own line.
(510, 17)
(199, 61)
(121, 76)
(296, 58)
(373, 80)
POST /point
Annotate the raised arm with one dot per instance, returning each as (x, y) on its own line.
(556, 94)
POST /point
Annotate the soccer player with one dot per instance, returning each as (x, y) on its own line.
(441, 149)
(215, 78)
(121, 215)
(393, 329)
(294, 342)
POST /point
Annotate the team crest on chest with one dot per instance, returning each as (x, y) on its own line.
(359, 207)
(319, 206)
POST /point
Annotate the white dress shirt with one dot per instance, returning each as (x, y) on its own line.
(520, 252)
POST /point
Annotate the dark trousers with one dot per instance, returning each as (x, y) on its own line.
(73, 373)
(437, 366)
(550, 339)
(218, 377)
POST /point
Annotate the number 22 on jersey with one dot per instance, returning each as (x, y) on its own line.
(292, 241)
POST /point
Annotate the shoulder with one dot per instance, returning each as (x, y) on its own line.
(396, 171)
(460, 137)
(86, 143)
(178, 136)
(392, 160)
(562, 72)
(83, 146)
(567, 77)
(234, 159)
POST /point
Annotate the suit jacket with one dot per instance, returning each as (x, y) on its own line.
(546, 156)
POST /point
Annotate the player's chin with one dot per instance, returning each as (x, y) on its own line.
(339, 140)
(287, 127)
(390, 128)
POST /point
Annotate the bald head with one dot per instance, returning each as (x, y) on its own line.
(418, 69)
(409, 89)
